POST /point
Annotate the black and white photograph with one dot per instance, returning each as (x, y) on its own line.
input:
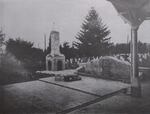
(74, 56)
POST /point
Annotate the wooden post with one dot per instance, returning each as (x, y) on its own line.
(135, 81)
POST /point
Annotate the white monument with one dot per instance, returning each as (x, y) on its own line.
(55, 61)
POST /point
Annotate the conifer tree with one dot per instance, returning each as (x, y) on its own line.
(93, 38)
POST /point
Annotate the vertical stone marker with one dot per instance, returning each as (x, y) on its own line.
(55, 61)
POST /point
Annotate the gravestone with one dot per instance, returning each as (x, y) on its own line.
(55, 60)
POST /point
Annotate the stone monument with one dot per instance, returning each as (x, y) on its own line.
(55, 61)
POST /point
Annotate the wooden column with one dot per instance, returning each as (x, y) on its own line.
(135, 81)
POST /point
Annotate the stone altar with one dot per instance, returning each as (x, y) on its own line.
(55, 61)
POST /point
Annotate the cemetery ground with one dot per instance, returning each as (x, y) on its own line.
(44, 96)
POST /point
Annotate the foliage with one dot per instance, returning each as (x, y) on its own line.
(120, 48)
(2, 37)
(68, 51)
(124, 48)
(32, 58)
(142, 47)
(48, 50)
(93, 37)
(19, 48)
(12, 70)
(20, 61)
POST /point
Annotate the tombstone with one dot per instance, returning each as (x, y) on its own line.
(55, 61)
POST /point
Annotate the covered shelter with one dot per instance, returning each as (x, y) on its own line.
(133, 12)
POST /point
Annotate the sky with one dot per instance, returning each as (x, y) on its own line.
(31, 19)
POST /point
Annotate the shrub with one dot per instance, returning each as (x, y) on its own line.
(12, 70)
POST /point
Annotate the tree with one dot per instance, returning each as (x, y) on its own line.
(2, 37)
(19, 48)
(93, 40)
(65, 49)
(48, 50)
(68, 51)
(121, 48)
(124, 48)
(142, 47)
(32, 57)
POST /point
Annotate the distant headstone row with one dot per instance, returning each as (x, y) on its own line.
(75, 62)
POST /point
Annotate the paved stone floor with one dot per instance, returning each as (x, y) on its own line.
(121, 104)
(38, 97)
(41, 97)
(92, 85)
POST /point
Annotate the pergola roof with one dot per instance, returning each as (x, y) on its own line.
(133, 12)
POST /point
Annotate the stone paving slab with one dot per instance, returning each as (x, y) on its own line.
(42, 97)
(92, 85)
(121, 104)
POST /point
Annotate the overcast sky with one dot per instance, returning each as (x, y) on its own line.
(31, 19)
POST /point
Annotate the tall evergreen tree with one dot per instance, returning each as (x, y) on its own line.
(93, 38)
